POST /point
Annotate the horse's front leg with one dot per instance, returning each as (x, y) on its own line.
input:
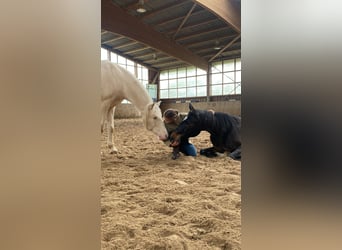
(175, 153)
(110, 131)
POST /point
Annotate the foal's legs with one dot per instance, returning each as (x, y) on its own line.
(209, 152)
(236, 154)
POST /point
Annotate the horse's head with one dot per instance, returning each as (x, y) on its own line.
(189, 127)
(153, 120)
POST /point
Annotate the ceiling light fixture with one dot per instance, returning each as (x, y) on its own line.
(141, 8)
(217, 45)
(154, 56)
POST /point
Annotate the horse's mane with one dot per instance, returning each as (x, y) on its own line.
(206, 116)
(127, 86)
(144, 114)
(215, 122)
(225, 121)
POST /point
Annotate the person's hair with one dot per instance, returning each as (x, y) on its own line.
(170, 113)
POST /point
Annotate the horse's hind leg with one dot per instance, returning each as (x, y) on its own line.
(208, 152)
(236, 154)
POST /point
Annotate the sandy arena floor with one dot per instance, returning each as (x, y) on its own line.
(149, 201)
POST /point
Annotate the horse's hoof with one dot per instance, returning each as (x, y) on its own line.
(208, 153)
(211, 155)
(113, 151)
(202, 152)
(175, 156)
(235, 156)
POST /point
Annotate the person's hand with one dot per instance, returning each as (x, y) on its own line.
(174, 139)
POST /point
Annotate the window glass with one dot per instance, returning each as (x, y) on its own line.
(113, 57)
(182, 92)
(172, 73)
(191, 71)
(191, 92)
(173, 83)
(225, 78)
(145, 73)
(238, 63)
(164, 84)
(140, 76)
(228, 77)
(216, 67)
(227, 82)
(238, 88)
(164, 93)
(228, 65)
(164, 75)
(191, 81)
(181, 82)
(121, 60)
(152, 90)
(238, 76)
(202, 91)
(144, 82)
(131, 69)
(173, 93)
(104, 54)
(181, 72)
(216, 89)
(201, 80)
(201, 71)
(216, 78)
(129, 62)
(228, 89)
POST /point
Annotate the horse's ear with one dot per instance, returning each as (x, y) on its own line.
(191, 107)
(150, 106)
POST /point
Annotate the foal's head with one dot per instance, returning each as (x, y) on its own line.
(189, 127)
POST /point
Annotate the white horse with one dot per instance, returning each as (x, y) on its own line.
(118, 84)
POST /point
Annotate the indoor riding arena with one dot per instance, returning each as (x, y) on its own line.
(181, 52)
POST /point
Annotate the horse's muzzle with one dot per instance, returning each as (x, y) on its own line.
(162, 137)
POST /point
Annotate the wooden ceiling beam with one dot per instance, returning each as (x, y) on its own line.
(228, 10)
(225, 47)
(211, 46)
(116, 20)
(198, 44)
(190, 26)
(158, 54)
(155, 12)
(113, 39)
(137, 50)
(170, 64)
(198, 12)
(126, 45)
(201, 33)
(159, 60)
(225, 53)
(184, 20)
(145, 55)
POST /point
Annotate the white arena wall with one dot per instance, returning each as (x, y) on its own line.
(232, 107)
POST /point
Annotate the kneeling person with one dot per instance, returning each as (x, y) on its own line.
(172, 118)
